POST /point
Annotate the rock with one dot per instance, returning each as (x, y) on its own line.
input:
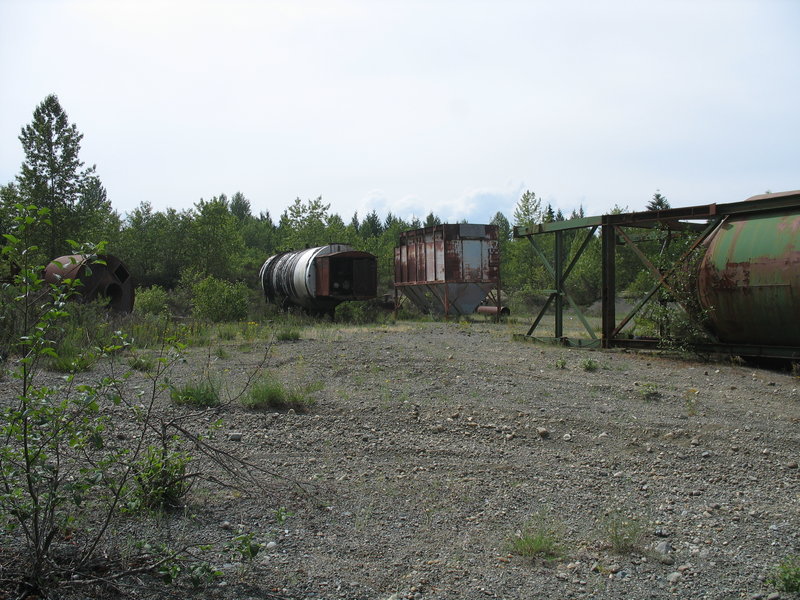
(791, 465)
(664, 547)
(543, 432)
(235, 436)
(674, 577)
(566, 437)
(774, 596)
(271, 545)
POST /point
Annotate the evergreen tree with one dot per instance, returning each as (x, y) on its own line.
(52, 174)
(658, 202)
(432, 220)
(371, 225)
(240, 207)
(503, 226)
(528, 210)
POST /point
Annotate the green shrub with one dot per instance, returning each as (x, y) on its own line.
(153, 300)
(590, 365)
(786, 575)
(217, 300)
(161, 479)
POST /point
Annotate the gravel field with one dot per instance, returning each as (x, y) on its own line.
(432, 445)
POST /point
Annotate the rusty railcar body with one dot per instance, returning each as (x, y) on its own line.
(319, 279)
(448, 269)
(109, 279)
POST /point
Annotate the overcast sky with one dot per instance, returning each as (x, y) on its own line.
(451, 106)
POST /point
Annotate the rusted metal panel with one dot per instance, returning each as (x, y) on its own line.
(448, 269)
(108, 279)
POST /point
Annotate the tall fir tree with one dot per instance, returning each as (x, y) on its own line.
(52, 175)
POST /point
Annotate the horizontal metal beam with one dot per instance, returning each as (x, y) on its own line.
(671, 218)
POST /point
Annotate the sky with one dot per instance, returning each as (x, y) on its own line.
(450, 106)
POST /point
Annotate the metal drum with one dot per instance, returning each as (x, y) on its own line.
(319, 279)
(109, 279)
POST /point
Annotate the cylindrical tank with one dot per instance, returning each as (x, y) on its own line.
(109, 279)
(318, 279)
(749, 279)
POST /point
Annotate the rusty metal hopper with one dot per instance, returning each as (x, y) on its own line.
(447, 269)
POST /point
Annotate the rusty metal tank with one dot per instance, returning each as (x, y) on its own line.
(749, 279)
(448, 269)
(319, 279)
(108, 279)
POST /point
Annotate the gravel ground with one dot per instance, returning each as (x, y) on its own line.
(433, 444)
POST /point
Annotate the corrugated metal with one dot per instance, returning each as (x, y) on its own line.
(448, 269)
(318, 279)
(749, 279)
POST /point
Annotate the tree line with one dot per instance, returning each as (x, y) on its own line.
(222, 237)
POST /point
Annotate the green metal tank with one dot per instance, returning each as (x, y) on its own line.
(749, 279)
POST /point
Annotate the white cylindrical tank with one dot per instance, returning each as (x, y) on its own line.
(318, 279)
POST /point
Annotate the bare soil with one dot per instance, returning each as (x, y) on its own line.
(433, 444)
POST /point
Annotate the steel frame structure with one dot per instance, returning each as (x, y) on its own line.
(699, 221)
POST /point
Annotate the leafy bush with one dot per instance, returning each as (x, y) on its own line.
(162, 478)
(589, 364)
(217, 300)
(153, 300)
(786, 575)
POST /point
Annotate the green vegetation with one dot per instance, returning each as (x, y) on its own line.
(589, 365)
(162, 478)
(786, 575)
(649, 392)
(623, 534)
(288, 334)
(270, 393)
(202, 393)
(152, 300)
(77, 457)
(539, 538)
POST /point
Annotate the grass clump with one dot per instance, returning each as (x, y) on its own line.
(786, 575)
(270, 393)
(539, 538)
(561, 364)
(649, 392)
(288, 334)
(623, 534)
(199, 394)
(589, 365)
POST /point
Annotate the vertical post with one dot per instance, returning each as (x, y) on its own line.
(608, 292)
(559, 276)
